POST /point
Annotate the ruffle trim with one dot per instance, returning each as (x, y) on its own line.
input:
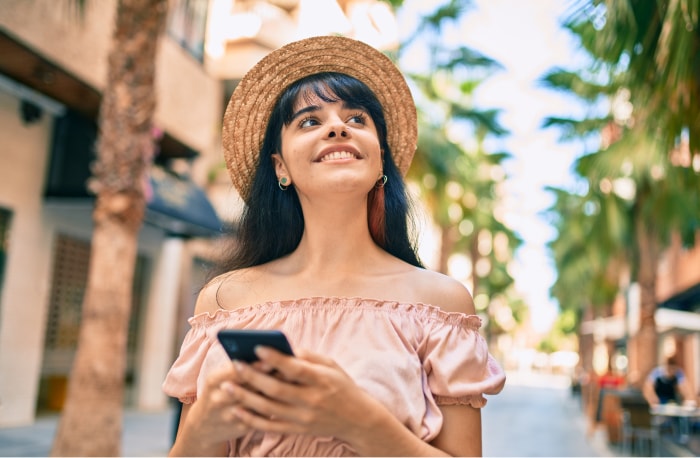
(188, 398)
(421, 310)
(476, 400)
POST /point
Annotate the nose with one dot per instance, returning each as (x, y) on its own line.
(337, 128)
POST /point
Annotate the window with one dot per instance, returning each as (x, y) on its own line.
(5, 218)
(187, 25)
(70, 271)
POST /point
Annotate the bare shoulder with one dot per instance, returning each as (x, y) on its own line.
(443, 291)
(219, 292)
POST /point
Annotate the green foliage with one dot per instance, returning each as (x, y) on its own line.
(575, 83)
(643, 171)
(650, 47)
(457, 183)
(394, 3)
(562, 334)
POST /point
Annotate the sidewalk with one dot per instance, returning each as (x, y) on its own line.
(150, 434)
(669, 447)
(535, 402)
(145, 434)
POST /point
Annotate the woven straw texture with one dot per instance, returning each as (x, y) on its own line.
(249, 109)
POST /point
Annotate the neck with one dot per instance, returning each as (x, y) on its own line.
(336, 238)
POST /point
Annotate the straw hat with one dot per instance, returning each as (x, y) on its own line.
(249, 109)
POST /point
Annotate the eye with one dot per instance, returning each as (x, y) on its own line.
(308, 122)
(358, 118)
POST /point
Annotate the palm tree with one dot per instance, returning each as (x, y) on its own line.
(590, 255)
(661, 198)
(444, 95)
(91, 421)
(646, 51)
(459, 185)
(653, 47)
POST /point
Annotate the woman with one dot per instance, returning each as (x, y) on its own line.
(388, 357)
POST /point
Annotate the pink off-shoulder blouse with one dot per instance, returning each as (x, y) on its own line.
(411, 357)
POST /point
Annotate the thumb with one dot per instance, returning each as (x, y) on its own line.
(313, 357)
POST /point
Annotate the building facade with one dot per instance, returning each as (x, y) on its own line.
(53, 68)
(52, 71)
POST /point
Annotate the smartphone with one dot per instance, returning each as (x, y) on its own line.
(240, 343)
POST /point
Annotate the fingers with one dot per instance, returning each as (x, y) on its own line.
(307, 394)
(269, 424)
(273, 385)
(221, 384)
(302, 369)
(216, 377)
(265, 401)
(315, 358)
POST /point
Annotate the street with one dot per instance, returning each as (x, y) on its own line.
(536, 415)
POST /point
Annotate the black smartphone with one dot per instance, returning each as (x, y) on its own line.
(240, 343)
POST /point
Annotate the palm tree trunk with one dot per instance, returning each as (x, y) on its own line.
(646, 339)
(474, 256)
(91, 422)
(447, 244)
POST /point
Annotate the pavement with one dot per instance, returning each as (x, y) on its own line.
(535, 415)
(145, 434)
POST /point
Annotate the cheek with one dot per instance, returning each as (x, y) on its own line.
(377, 153)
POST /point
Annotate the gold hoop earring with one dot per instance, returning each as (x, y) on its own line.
(283, 184)
(381, 181)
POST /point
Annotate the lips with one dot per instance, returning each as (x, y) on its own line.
(335, 155)
(338, 153)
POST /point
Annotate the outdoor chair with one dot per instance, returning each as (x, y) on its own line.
(641, 435)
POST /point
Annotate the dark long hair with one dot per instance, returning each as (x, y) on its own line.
(272, 223)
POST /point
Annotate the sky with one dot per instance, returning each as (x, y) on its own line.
(526, 39)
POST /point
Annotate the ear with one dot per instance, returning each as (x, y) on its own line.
(281, 168)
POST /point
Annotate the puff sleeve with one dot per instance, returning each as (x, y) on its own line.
(457, 363)
(196, 358)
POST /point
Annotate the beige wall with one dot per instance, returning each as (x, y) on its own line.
(679, 269)
(26, 285)
(189, 100)
(53, 28)
(189, 108)
(688, 268)
(189, 104)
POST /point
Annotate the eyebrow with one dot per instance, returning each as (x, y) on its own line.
(313, 108)
(308, 109)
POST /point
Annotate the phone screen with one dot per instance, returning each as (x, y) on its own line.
(240, 343)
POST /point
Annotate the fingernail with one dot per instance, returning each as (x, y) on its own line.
(262, 352)
(227, 387)
(238, 366)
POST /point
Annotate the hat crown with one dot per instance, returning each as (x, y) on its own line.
(250, 107)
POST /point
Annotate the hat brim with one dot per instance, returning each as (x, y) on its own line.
(250, 107)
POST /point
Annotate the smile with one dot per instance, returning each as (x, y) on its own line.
(338, 155)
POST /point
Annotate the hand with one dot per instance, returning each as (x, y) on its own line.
(211, 420)
(309, 394)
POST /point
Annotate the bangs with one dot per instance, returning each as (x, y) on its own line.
(330, 88)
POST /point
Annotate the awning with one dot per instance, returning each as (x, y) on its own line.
(609, 328)
(180, 207)
(687, 300)
(680, 312)
(175, 204)
(676, 320)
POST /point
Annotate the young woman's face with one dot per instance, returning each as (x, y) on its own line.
(329, 147)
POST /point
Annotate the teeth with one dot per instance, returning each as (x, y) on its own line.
(337, 155)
